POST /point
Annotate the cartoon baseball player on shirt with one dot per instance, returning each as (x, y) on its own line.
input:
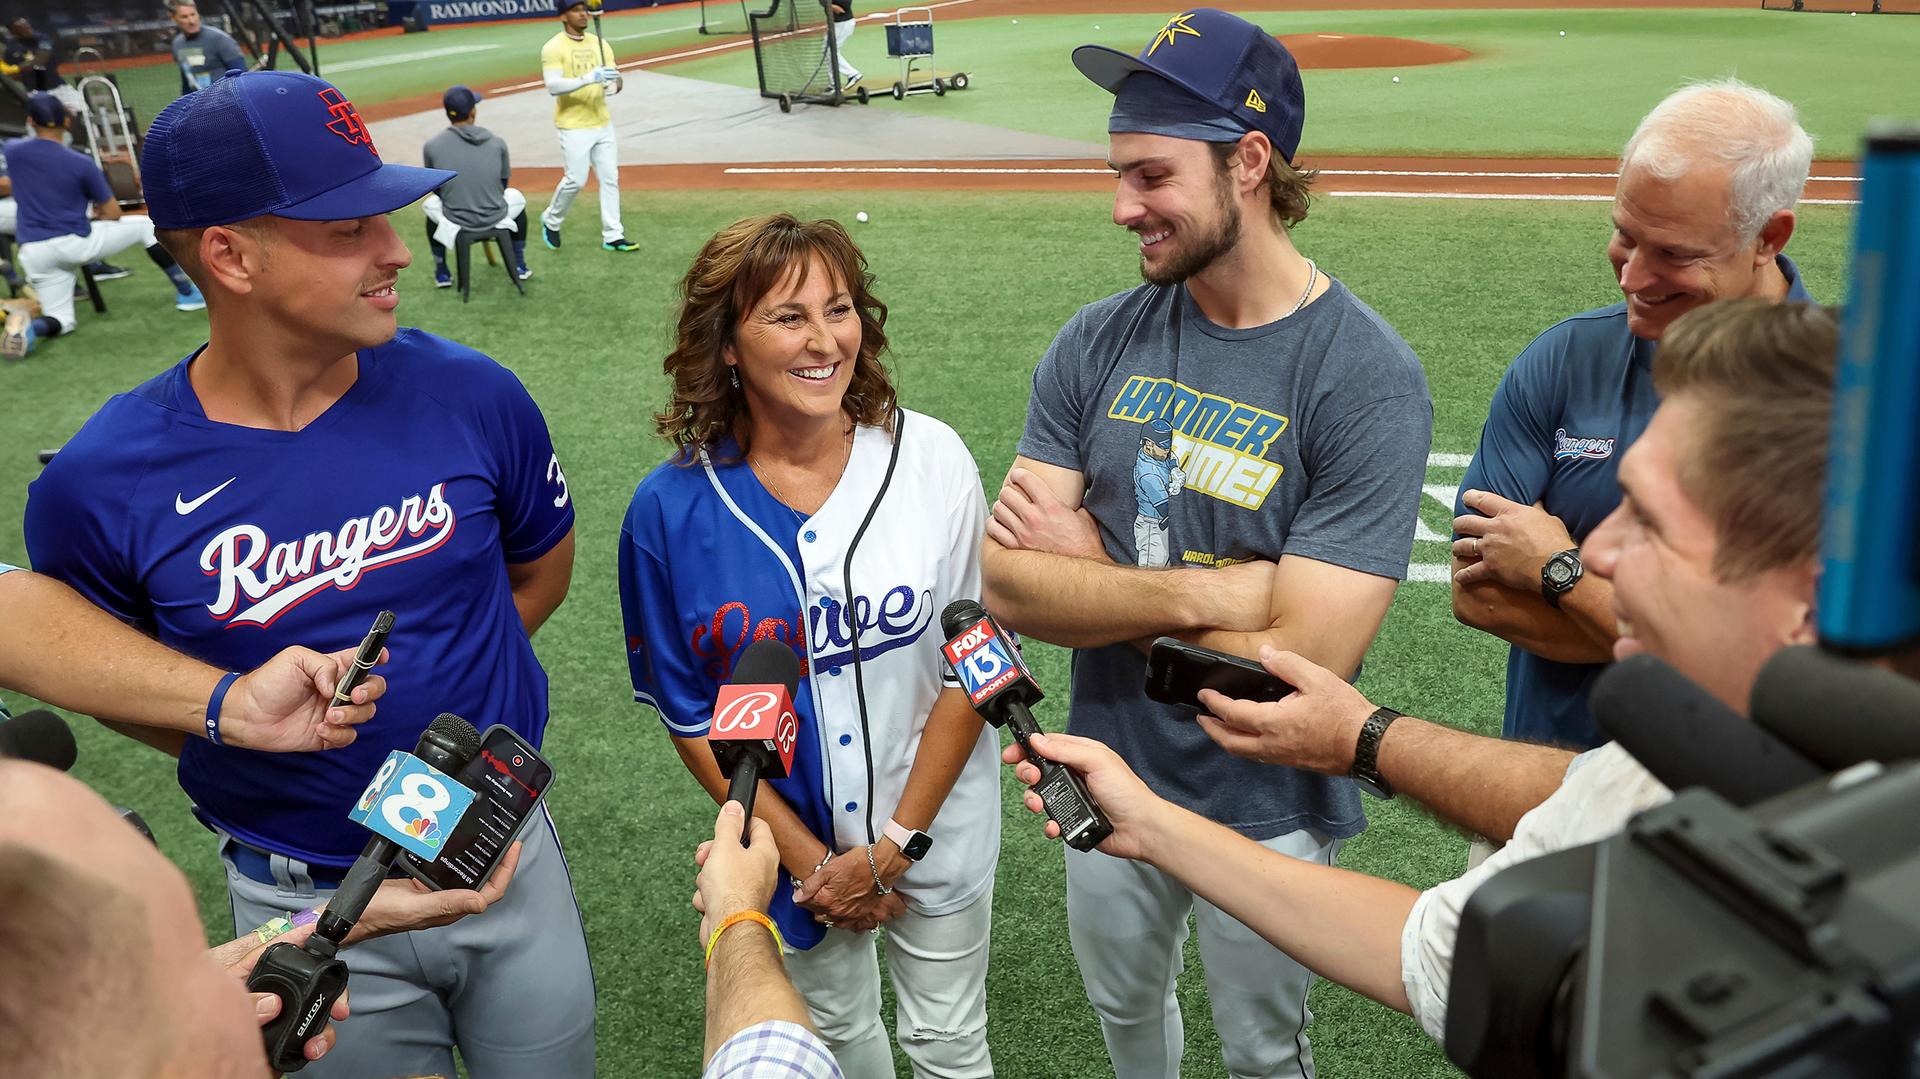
(1157, 477)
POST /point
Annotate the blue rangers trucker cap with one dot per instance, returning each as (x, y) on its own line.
(1238, 72)
(270, 142)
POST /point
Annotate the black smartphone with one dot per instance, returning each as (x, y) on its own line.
(508, 778)
(1178, 671)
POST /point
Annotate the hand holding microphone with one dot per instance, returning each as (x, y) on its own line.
(309, 978)
(1000, 689)
(754, 725)
(1128, 808)
(738, 869)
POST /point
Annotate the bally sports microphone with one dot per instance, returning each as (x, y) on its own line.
(41, 737)
(754, 724)
(998, 685)
(1836, 710)
(363, 660)
(309, 978)
(1687, 738)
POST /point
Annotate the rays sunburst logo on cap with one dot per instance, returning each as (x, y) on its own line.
(1174, 28)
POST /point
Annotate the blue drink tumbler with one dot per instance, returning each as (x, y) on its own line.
(1869, 592)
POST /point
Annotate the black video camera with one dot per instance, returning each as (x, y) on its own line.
(1705, 940)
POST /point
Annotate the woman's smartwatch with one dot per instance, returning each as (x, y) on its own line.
(914, 845)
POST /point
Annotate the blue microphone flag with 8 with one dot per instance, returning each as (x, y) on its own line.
(413, 804)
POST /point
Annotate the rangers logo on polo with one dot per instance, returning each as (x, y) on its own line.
(273, 577)
(1568, 447)
(346, 121)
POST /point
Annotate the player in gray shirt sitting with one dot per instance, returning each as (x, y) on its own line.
(1232, 454)
(204, 54)
(477, 198)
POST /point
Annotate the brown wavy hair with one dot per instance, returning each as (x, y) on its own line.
(741, 264)
(1289, 187)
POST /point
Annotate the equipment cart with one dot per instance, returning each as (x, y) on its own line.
(910, 38)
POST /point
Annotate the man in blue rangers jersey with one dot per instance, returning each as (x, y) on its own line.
(305, 469)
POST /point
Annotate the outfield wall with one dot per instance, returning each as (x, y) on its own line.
(466, 11)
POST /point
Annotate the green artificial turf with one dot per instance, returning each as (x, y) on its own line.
(978, 284)
(1526, 91)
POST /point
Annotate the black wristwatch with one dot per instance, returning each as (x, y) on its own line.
(1560, 574)
(1366, 753)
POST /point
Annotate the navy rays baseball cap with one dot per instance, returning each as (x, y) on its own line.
(270, 142)
(459, 102)
(45, 110)
(1236, 70)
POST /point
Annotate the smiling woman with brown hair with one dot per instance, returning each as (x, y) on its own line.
(804, 505)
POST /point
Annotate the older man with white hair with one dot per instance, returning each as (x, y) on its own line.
(1703, 211)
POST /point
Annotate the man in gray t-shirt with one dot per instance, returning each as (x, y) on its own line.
(204, 54)
(1231, 454)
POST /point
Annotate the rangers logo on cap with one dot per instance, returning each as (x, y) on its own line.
(346, 121)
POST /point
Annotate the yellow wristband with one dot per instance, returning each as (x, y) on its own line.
(736, 919)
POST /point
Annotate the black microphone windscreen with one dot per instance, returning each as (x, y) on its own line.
(1687, 738)
(767, 662)
(960, 614)
(455, 733)
(39, 736)
(1837, 711)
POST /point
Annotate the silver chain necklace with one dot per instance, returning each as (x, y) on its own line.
(1313, 274)
(781, 497)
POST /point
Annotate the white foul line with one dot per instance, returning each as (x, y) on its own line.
(655, 33)
(407, 57)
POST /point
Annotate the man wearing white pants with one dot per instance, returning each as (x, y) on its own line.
(579, 73)
(843, 24)
(54, 187)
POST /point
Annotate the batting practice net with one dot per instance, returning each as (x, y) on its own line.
(794, 50)
(1836, 7)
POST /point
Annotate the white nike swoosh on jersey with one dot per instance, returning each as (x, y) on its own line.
(183, 507)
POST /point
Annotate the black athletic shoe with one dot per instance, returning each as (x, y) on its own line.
(622, 245)
(551, 237)
(107, 271)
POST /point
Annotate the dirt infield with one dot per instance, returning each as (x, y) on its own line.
(1320, 51)
(1571, 179)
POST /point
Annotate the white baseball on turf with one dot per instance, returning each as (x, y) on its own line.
(1563, 33)
(861, 217)
(1396, 78)
(1096, 26)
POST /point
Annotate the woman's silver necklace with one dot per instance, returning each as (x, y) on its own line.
(782, 498)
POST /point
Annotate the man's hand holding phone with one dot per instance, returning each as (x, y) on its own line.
(1314, 728)
(404, 905)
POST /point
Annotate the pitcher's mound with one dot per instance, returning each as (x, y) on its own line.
(1361, 50)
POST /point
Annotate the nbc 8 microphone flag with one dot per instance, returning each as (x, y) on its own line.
(413, 804)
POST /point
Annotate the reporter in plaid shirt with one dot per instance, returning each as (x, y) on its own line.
(756, 1022)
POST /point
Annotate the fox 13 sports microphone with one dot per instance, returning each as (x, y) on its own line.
(990, 670)
(412, 805)
(754, 724)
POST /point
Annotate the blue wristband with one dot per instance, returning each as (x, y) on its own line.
(213, 706)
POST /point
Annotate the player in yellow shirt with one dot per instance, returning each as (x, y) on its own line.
(579, 73)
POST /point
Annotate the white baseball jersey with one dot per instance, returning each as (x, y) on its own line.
(710, 560)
